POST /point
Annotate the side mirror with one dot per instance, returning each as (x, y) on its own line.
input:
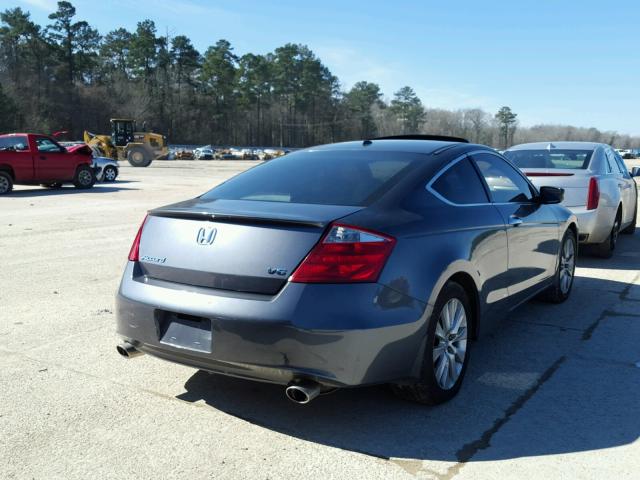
(635, 172)
(551, 195)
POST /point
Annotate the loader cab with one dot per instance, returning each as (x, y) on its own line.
(122, 131)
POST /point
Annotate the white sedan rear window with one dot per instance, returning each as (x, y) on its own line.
(565, 159)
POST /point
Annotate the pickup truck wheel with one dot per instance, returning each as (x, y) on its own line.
(6, 183)
(85, 178)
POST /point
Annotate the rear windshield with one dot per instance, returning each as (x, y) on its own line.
(319, 177)
(571, 159)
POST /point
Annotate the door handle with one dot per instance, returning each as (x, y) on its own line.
(515, 221)
(42, 157)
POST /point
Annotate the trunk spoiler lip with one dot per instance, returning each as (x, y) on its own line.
(548, 174)
(206, 216)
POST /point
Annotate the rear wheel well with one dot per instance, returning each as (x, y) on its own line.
(9, 170)
(82, 165)
(466, 281)
(574, 229)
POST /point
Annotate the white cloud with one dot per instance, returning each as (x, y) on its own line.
(351, 66)
(49, 5)
(183, 7)
(454, 99)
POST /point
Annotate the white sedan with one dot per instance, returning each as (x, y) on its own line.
(598, 187)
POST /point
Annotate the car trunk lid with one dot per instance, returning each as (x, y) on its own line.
(238, 245)
(575, 183)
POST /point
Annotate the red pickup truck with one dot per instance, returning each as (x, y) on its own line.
(31, 159)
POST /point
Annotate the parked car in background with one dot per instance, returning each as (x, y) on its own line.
(203, 153)
(33, 159)
(184, 155)
(366, 262)
(625, 153)
(598, 187)
(105, 169)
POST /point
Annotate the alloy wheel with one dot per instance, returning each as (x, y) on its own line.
(567, 265)
(110, 174)
(4, 184)
(84, 177)
(450, 344)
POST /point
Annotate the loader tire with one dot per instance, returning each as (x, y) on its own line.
(139, 157)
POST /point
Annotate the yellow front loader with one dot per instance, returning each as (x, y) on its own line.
(138, 148)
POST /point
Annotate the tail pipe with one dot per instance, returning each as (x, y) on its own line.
(127, 350)
(303, 391)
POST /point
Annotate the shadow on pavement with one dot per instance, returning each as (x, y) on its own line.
(46, 192)
(118, 181)
(627, 256)
(529, 362)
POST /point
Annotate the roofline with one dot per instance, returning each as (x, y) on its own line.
(440, 138)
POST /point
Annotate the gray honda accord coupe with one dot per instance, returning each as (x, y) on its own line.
(356, 263)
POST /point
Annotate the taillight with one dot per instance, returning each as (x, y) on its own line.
(345, 254)
(593, 197)
(134, 253)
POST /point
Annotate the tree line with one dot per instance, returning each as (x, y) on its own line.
(67, 76)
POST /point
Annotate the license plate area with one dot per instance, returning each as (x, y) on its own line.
(184, 331)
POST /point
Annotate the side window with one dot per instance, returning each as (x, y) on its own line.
(609, 162)
(47, 145)
(460, 184)
(505, 183)
(16, 143)
(622, 168)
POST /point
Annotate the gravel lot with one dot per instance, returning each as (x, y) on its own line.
(553, 394)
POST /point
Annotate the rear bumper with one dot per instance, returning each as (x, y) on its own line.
(594, 226)
(337, 335)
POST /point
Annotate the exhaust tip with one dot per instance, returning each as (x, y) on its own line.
(297, 395)
(127, 350)
(302, 392)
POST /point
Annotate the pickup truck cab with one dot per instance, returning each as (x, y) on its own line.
(33, 159)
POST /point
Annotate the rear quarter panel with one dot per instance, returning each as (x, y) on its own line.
(436, 241)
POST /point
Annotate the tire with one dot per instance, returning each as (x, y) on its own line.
(565, 272)
(606, 248)
(6, 182)
(631, 229)
(109, 174)
(139, 157)
(52, 186)
(85, 177)
(433, 388)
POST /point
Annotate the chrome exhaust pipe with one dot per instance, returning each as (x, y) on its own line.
(127, 350)
(302, 392)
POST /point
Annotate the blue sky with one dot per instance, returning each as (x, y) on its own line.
(552, 61)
